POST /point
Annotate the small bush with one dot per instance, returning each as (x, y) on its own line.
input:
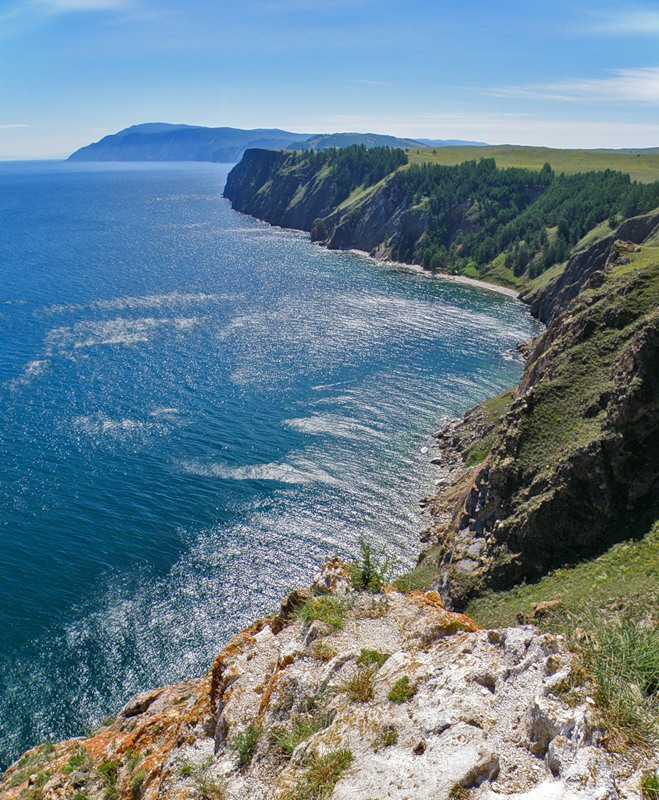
(650, 786)
(326, 608)
(321, 776)
(368, 657)
(402, 690)
(244, 743)
(371, 570)
(133, 760)
(359, 686)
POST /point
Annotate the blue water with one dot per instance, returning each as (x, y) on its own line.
(197, 409)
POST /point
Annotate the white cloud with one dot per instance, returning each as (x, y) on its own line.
(643, 22)
(622, 85)
(13, 125)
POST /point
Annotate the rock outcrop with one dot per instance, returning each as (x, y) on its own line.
(389, 696)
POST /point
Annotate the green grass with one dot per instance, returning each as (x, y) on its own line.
(326, 608)
(640, 165)
(78, 760)
(368, 657)
(301, 728)
(421, 577)
(623, 659)
(32, 764)
(650, 786)
(625, 576)
(387, 737)
(321, 776)
(402, 690)
(244, 744)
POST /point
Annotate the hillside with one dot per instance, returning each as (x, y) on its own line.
(545, 513)
(568, 463)
(508, 226)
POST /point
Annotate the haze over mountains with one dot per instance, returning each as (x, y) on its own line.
(159, 141)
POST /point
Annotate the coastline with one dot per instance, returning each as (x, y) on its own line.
(478, 284)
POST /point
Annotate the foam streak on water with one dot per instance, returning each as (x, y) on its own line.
(197, 410)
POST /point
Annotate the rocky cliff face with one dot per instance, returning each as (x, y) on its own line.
(267, 184)
(573, 464)
(390, 696)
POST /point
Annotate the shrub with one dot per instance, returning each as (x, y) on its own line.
(402, 690)
(244, 743)
(321, 776)
(326, 608)
(371, 570)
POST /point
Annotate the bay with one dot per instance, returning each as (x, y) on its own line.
(197, 410)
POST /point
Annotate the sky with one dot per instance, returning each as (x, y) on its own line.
(570, 73)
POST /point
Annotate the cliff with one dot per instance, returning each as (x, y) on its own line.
(507, 226)
(569, 461)
(354, 695)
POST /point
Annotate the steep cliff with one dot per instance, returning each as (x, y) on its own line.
(354, 696)
(573, 463)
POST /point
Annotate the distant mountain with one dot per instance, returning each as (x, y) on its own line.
(451, 143)
(160, 141)
(324, 141)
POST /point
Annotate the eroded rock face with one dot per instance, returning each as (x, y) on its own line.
(404, 700)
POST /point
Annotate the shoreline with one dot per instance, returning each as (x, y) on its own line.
(478, 284)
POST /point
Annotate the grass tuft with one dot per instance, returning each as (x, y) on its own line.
(326, 608)
(368, 657)
(622, 658)
(244, 744)
(321, 776)
(359, 686)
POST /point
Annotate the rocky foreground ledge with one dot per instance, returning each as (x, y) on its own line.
(351, 696)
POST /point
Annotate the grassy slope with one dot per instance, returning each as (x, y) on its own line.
(642, 165)
(626, 576)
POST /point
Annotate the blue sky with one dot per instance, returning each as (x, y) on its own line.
(563, 74)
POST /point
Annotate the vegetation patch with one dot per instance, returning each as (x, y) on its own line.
(402, 690)
(325, 608)
(371, 657)
(650, 786)
(301, 728)
(371, 570)
(321, 776)
(244, 744)
(359, 686)
(387, 737)
(32, 764)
